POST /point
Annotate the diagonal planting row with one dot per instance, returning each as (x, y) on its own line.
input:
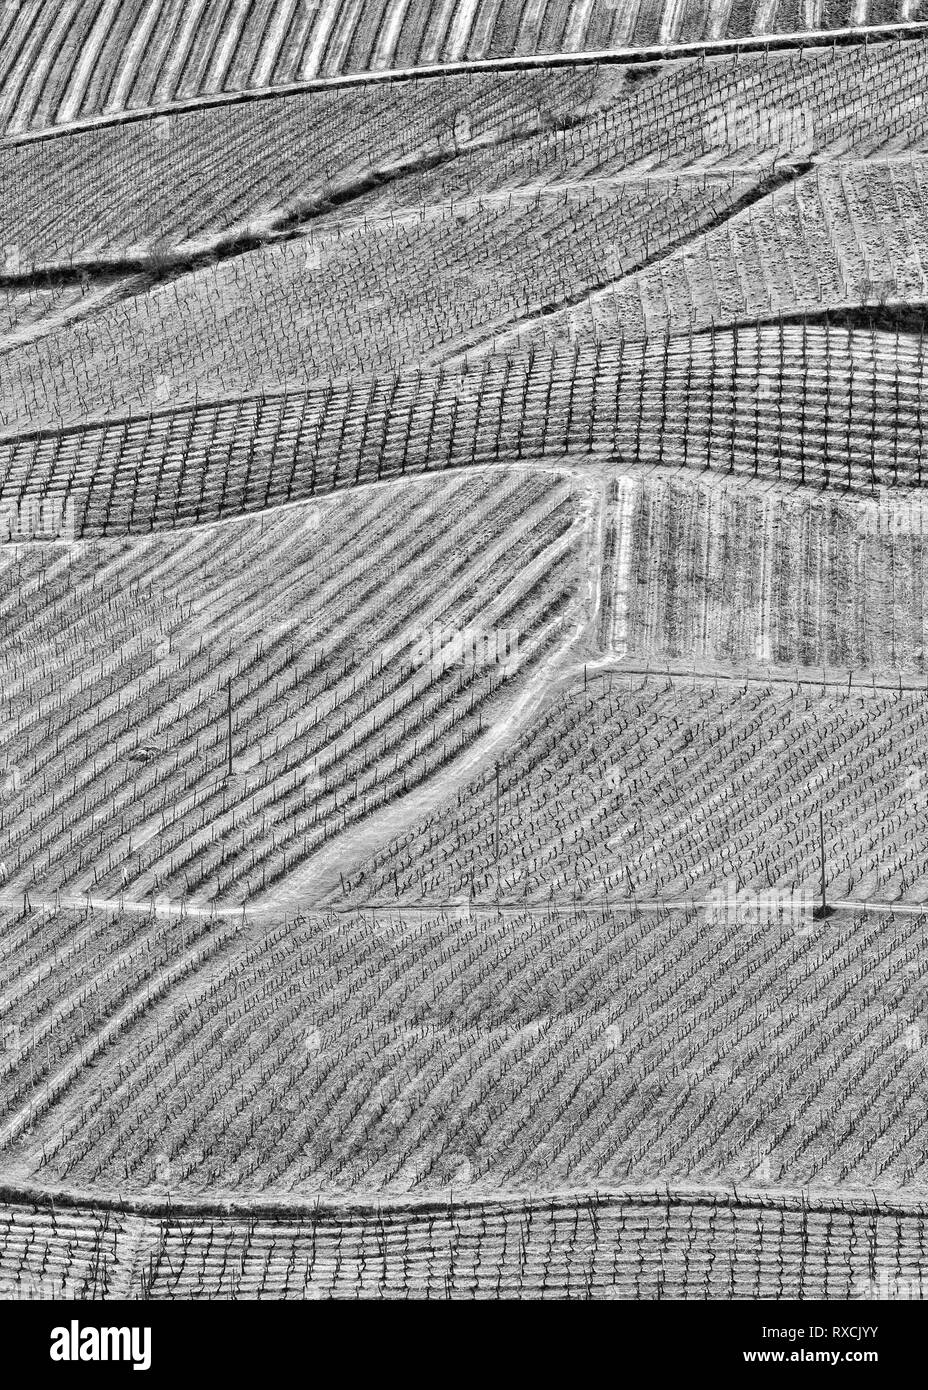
(749, 111)
(639, 786)
(352, 299)
(62, 63)
(437, 280)
(837, 238)
(179, 181)
(311, 625)
(167, 182)
(492, 1050)
(71, 982)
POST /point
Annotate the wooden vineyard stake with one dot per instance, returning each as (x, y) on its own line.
(821, 850)
(823, 910)
(496, 833)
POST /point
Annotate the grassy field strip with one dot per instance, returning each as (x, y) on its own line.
(848, 1199)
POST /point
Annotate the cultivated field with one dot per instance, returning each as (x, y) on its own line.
(481, 1050)
(823, 580)
(421, 287)
(232, 172)
(806, 403)
(464, 683)
(646, 786)
(634, 1245)
(309, 627)
(64, 62)
(406, 1038)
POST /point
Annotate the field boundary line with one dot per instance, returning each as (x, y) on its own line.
(887, 1202)
(603, 903)
(294, 908)
(768, 183)
(804, 676)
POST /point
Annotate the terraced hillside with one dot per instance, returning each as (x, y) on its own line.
(309, 626)
(464, 686)
(647, 786)
(808, 404)
(634, 1245)
(239, 169)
